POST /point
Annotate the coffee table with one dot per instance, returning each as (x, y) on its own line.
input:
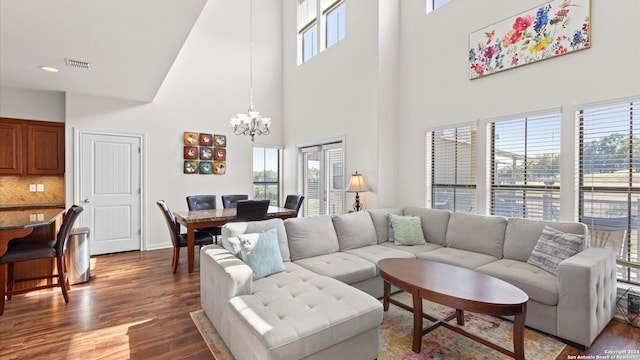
(458, 288)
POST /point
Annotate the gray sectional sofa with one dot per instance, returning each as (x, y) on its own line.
(323, 302)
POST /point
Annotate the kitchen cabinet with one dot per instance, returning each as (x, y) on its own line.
(30, 147)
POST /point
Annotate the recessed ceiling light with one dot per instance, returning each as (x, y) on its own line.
(49, 69)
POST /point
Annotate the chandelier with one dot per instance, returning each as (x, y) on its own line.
(251, 123)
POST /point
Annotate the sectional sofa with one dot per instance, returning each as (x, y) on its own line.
(320, 300)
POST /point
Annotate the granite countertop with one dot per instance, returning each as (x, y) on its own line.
(24, 218)
(30, 206)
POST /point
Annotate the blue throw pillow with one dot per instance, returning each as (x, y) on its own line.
(261, 252)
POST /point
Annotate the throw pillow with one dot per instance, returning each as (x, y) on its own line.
(552, 247)
(407, 230)
(261, 252)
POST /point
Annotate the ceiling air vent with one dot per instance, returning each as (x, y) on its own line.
(76, 64)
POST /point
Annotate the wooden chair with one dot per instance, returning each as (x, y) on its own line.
(34, 250)
(294, 202)
(252, 210)
(204, 202)
(230, 201)
(177, 239)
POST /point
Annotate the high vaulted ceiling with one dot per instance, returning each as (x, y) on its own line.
(130, 44)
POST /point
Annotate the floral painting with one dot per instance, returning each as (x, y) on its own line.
(200, 157)
(552, 29)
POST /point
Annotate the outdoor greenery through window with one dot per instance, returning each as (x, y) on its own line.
(525, 167)
(323, 179)
(451, 156)
(266, 174)
(609, 181)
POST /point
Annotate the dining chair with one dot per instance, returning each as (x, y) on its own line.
(252, 210)
(294, 202)
(204, 202)
(34, 250)
(230, 201)
(178, 239)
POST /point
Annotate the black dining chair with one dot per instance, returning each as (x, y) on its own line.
(230, 201)
(294, 202)
(34, 250)
(177, 239)
(204, 202)
(252, 210)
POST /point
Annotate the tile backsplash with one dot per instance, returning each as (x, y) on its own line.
(14, 190)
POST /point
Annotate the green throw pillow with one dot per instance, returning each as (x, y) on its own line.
(554, 246)
(407, 230)
(261, 252)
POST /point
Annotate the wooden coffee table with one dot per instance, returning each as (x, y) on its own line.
(458, 288)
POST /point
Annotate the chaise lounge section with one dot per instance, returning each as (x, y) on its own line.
(322, 301)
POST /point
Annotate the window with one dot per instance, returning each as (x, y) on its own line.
(315, 35)
(323, 179)
(266, 174)
(335, 24)
(451, 168)
(434, 4)
(525, 167)
(609, 181)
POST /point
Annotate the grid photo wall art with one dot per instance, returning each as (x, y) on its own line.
(204, 153)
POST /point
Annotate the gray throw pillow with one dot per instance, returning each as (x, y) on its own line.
(554, 246)
(407, 230)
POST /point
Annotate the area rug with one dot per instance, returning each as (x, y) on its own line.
(439, 344)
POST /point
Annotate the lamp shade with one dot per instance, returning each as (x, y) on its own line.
(357, 184)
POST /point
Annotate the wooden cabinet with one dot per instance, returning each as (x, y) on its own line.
(31, 147)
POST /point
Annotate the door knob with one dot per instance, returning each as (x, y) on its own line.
(86, 201)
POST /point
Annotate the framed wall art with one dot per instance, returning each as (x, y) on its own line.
(552, 29)
(201, 157)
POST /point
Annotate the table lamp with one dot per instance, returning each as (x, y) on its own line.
(357, 185)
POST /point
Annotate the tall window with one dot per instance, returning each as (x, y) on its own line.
(266, 174)
(323, 179)
(335, 24)
(525, 167)
(316, 34)
(434, 4)
(451, 156)
(609, 181)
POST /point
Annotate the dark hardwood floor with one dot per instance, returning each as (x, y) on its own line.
(135, 308)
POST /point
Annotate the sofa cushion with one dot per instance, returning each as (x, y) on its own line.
(380, 218)
(342, 266)
(540, 285)
(295, 319)
(434, 223)
(311, 236)
(554, 246)
(414, 249)
(247, 227)
(477, 233)
(261, 252)
(375, 253)
(452, 256)
(407, 230)
(354, 230)
(522, 235)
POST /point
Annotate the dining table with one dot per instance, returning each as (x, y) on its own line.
(198, 219)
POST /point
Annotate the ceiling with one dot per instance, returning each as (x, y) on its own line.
(130, 44)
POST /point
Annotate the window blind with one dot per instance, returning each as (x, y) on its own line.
(525, 167)
(452, 168)
(609, 180)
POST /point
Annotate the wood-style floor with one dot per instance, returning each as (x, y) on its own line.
(135, 308)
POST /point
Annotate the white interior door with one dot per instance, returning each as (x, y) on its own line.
(110, 191)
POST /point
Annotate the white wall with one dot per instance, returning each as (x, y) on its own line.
(435, 88)
(32, 104)
(339, 93)
(206, 86)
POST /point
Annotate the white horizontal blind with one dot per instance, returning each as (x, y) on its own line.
(452, 157)
(525, 167)
(609, 180)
